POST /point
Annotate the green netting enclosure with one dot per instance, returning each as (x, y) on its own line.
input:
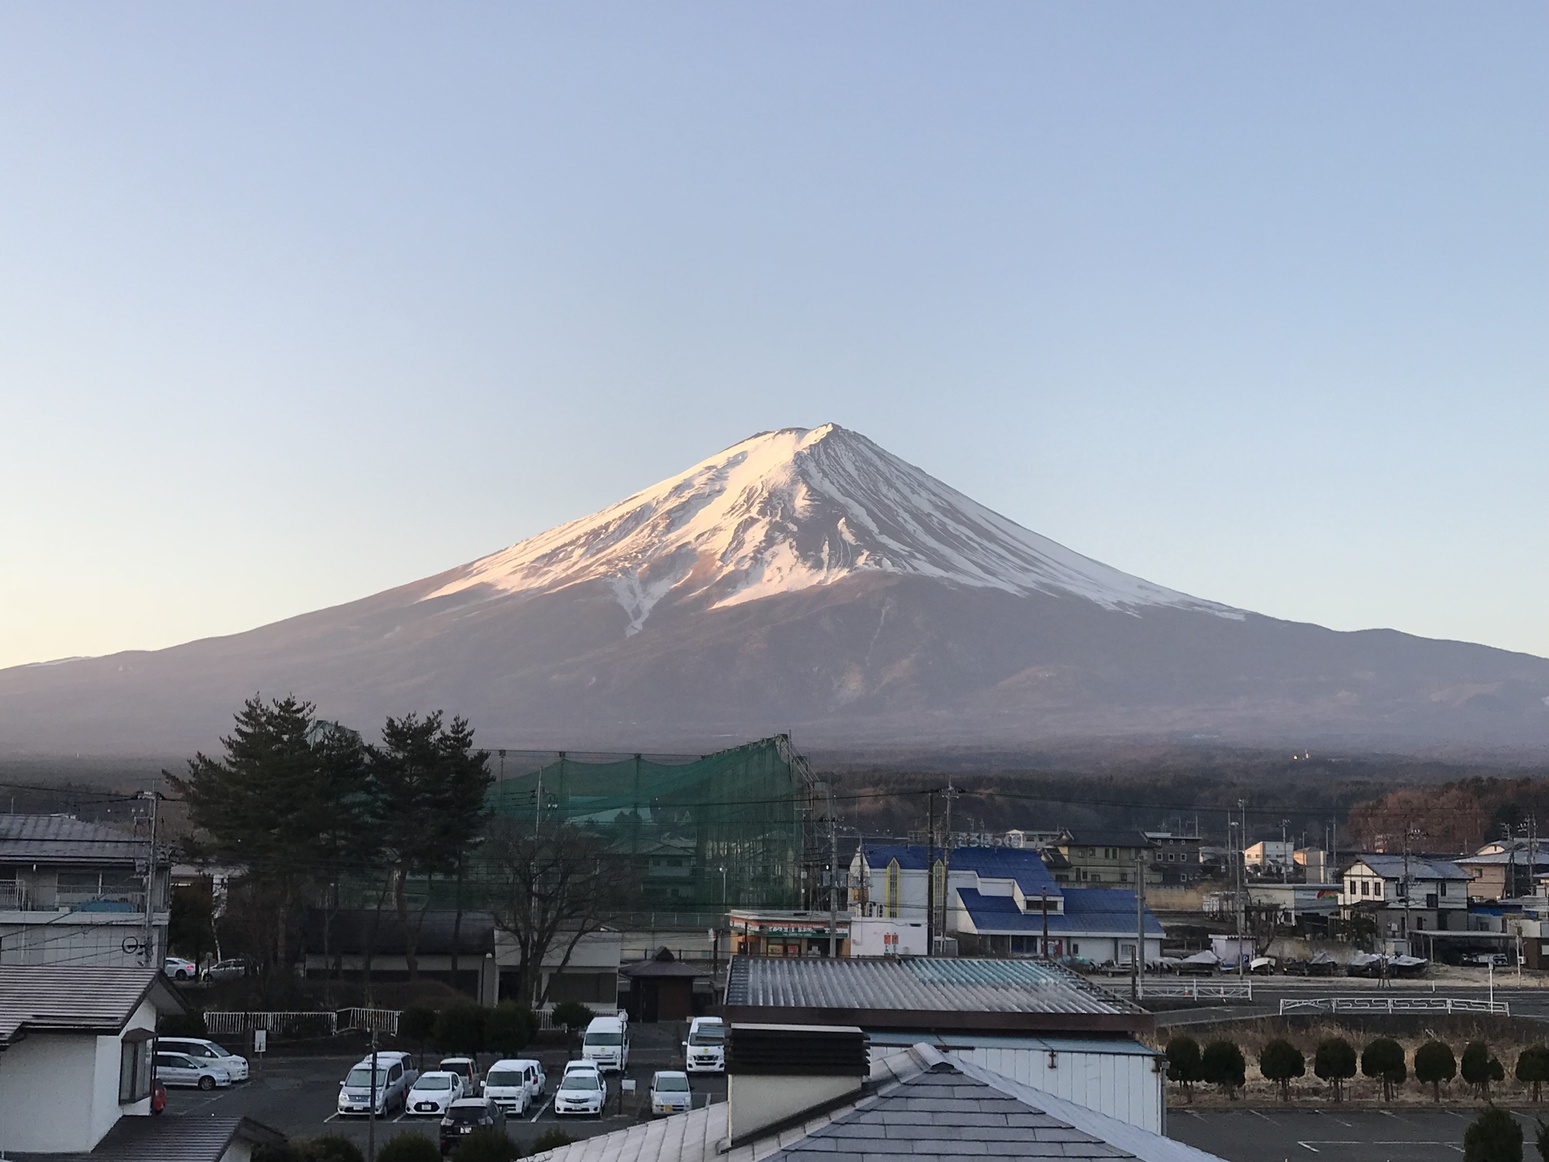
(703, 830)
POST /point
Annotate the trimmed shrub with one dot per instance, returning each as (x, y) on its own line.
(1494, 1136)
(1384, 1060)
(510, 1028)
(551, 1140)
(332, 1148)
(572, 1015)
(410, 1147)
(183, 1025)
(460, 1029)
(279, 1152)
(1183, 1062)
(417, 1024)
(1221, 1063)
(1533, 1068)
(489, 1144)
(1334, 1062)
(1279, 1062)
(1480, 1068)
(1435, 1064)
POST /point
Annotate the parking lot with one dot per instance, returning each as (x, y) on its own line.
(1270, 1135)
(297, 1095)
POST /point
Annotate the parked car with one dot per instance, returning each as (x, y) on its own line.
(466, 1115)
(581, 1091)
(705, 1049)
(606, 1042)
(670, 1093)
(432, 1092)
(179, 969)
(232, 1063)
(395, 1073)
(181, 1069)
(466, 1068)
(224, 970)
(515, 1083)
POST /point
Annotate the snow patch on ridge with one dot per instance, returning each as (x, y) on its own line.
(789, 510)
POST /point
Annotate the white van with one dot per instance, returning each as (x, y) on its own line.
(606, 1043)
(395, 1073)
(705, 1049)
(514, 1083)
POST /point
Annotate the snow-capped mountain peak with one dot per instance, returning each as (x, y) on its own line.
(792, 509)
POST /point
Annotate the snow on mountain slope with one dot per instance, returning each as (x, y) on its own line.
(793, 509)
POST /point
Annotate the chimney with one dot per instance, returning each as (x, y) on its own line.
(780, 1075)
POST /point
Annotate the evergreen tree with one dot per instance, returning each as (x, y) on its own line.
(1435, 1064)
(1494, 1136)
(460, 1029)
(1279, 1062)
(1334, 1062)
(1384, 1059)
(410, 1147)
(429, 786)
(509, 1028)
(1221, 1063)
(1480, 1068)
(1183, 1064)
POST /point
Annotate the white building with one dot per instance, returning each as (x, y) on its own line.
(1408, 895)
(75, 1070)
(1269, 854)
(73, 893)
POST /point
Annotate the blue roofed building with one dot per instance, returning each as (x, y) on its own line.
(1005, 897)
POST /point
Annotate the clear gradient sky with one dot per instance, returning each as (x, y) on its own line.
(302, 301)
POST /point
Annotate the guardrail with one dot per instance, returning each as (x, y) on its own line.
(1197, 990)
(383, 1021)
(1421, 1004)
(284, 1024)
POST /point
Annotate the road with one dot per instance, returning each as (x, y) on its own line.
(1527, 1001)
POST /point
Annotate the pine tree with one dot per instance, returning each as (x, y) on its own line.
(1480, 1068)
(1183, 1064)
(1384, 1059)
(1221, 1063)
(1280, 1061)
(1533, 1068)
(1435, 1064)
(1494, 1136)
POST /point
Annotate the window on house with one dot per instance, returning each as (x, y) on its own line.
(1443, 889)
(134, 1067)
(1110, 853)
(1075, 949)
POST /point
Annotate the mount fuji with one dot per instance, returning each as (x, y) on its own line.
(802, 580)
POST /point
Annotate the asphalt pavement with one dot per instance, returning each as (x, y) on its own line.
(298, 1095)
(1252, 1135)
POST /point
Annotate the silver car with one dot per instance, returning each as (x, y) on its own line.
(181, 1069)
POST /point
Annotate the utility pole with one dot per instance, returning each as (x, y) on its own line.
(946, 856)
(1140, 922)
(150, 883)
(1043, 899)
(930, 874)
(371, 1114)
(833, 880)
(1405, 928)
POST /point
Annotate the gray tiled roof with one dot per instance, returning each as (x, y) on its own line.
(170, 1139)
(59, 837)
(77, 998)
(940, 992)
(1391, 867)
(922, 1106)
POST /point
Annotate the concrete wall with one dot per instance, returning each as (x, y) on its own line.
(1126, 1086)
(869, 937)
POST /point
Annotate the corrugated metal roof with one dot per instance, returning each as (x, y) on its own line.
(899, 992)
(49, 998)
(1022, 865)
(59, 837)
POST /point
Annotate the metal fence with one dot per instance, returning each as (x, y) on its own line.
(1195, 990)
(384, 1021)
(280, 1024)
(1419, 1004)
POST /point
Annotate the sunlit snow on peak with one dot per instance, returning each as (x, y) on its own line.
(792, 509)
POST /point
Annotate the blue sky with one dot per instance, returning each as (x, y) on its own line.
(300, 302)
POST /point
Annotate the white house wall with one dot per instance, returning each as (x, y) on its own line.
(96, 939)
(1126, 1086)
(46, 1094)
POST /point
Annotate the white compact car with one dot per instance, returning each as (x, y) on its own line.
(606, 1042)
(705, 1049)
(432, 1092)
(181, 1069)
(216, 1055)
(514, 1084)
(670, 1093)
(581, 1091)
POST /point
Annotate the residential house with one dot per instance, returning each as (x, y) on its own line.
(73, 892)
(813, 1095)
(1406, 894)
(76, 1048)
(1095, 856)
(1269, 857)
(1176, 856)
(1506, 869)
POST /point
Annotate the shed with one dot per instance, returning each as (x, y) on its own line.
(662, 988)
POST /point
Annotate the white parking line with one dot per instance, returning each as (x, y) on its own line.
(1332, 1118)
(1266, 1117)
(330, 1117)
(540, 1113)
